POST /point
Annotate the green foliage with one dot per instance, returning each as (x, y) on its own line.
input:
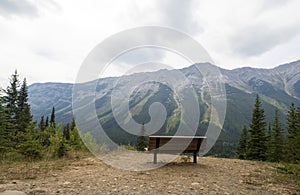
(21, 138)
(11, 98)
(292, 123)
(257, 140)
(275, 141)
(126, 147)
(75, 140)
(293, 137)
(242, 144)
(142, 140)
(291, 169)
(185, 158)
(58, 146)
(66, 132)
(90, 142)
(52, 118)
(24, 117)
(42, 124)
(31, 147)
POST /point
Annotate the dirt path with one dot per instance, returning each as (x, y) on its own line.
(209, 176)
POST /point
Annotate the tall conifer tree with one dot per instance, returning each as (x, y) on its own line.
(257, 140)
(52, 118)
(275, 143)
(24, 118)
(242, 144)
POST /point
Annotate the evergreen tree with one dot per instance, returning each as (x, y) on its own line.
(257, 139)
(24, 118)
(58, 146)
(42, 124)
(75, 139)
(142, 141)
(66, 132)
(73, 124)
(292, 122)
(4, 134)
(11, 98)
(268, 142)
(31, 146)
(242, 144)
(52, 118)
(293, 142)
(275, 143)
(47, 122)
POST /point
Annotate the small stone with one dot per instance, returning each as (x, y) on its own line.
(39, 191)
(195, 183)
(67, 183)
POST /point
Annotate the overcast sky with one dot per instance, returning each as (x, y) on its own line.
(47, 40)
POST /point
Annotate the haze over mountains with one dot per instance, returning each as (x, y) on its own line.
(277, 87)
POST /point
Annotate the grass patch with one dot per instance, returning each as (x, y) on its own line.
(23, 169)
(289, 173)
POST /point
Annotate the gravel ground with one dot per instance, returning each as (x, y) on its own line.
(92, 176)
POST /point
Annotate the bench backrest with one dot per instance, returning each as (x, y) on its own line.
(177, 144)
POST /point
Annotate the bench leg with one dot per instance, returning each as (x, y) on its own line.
(195, 157)
(155, 158)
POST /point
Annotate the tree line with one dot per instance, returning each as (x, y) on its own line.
(21, 137)
(269, 142)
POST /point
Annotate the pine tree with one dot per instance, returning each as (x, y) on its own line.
(292, 148)
(257, 140)
(75, 140)
(31, 146)
(242, 144)
(11, 98)
(296, 140)
(24, 118)
(58, 146)
(4, 134)
(66, 132)
(275, 144)
(52, 118)
(47, 122)
(268, 142)
(42, 124)
(73, 124)
(292, 122)
(142, 142)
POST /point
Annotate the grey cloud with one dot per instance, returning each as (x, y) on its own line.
(179, 15)
(49, 54)
(271, 4)
(16, 7)
(21, 8)
(140, 55)
(258, 39)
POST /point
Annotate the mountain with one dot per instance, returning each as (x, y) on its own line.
(277, 87)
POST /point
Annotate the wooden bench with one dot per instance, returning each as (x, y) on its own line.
(176, 145)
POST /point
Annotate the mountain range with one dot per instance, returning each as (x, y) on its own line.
(277, 88)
